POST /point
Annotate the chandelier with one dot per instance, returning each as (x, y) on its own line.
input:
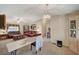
(46, 13)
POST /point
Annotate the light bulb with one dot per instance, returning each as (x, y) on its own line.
(47, 16)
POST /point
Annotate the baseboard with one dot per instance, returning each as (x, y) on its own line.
(54, 43)
(66, 47)
(62, 45)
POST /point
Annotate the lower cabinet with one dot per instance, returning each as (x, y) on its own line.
(73, 45)
(78, 47)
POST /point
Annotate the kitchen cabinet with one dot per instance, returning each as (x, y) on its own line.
(73, 33)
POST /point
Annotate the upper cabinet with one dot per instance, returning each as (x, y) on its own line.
(73, 32)
(73, 25)
(73, 28)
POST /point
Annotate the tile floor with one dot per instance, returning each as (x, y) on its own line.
(48, 49)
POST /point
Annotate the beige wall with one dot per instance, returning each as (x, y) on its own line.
(59, 28)
(58, 24)
(21, 28)
(60, 31)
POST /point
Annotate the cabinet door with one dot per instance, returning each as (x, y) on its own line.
(73, 45)
(72, 35)
(78, 35)
(78, 46)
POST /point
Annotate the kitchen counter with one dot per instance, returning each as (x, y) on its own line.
(14, 45)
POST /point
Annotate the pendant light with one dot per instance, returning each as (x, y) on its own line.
(46, 14)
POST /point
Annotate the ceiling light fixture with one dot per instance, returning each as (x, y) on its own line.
(46, 14)
(19, 20)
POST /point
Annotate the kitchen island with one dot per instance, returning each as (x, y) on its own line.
(14, 45)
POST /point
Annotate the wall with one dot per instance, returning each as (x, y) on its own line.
(21, 27)
(58, 26)
(39, 25)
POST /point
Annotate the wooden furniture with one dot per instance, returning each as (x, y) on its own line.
(11, 34)
(3, 36)
(73, 33)
(2, 27)
(17, 37)
(2, 21)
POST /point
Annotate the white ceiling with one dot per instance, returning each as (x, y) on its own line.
(34, 12)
